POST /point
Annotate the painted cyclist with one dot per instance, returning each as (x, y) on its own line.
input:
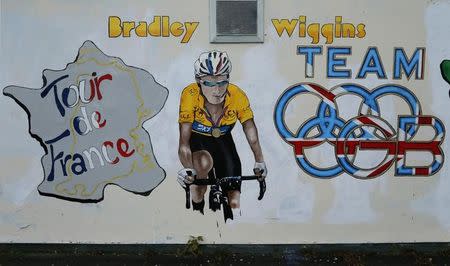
(209, 109)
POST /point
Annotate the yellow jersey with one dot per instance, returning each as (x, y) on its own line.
(192, 110)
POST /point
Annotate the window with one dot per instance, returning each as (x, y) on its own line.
(236, 21)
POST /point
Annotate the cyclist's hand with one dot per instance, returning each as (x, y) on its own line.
(260, 169)
(186, 176)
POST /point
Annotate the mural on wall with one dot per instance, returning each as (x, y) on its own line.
(209, 109)
(445, 71)
(366, 132)
(88, 118)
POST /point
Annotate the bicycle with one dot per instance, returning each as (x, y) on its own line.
(216, 195)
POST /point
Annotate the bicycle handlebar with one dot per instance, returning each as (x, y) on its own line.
(208, 182)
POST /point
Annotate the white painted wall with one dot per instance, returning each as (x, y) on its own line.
(297, 208)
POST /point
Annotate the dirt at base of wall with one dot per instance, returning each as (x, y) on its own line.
(196, 254)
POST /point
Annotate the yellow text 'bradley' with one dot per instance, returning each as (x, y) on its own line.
(159, 27)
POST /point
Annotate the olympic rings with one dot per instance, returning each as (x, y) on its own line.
(368, 130)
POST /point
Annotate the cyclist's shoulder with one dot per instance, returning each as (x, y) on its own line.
(235, 91)
(191, 90)
(237, 97)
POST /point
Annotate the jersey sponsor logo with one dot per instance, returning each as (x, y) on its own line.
(200, 128)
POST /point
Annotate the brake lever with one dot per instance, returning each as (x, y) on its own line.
(262, 183)
(262, 189)
(187, 191)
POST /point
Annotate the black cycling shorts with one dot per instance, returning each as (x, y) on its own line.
(225, 157)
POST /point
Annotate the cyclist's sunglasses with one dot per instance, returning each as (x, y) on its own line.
(212, 83)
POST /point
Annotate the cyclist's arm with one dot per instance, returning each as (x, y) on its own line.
(184, 148)
(251, 133)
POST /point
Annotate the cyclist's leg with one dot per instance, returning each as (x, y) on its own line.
(229, 166)
(203, 163)
(234, 199)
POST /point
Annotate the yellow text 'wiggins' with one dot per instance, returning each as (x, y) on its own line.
(329, 31)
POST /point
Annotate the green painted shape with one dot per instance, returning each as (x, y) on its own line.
(445, 70)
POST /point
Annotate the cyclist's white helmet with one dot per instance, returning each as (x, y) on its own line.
(213, 63)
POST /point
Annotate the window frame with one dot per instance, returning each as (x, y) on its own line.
(258, 38)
